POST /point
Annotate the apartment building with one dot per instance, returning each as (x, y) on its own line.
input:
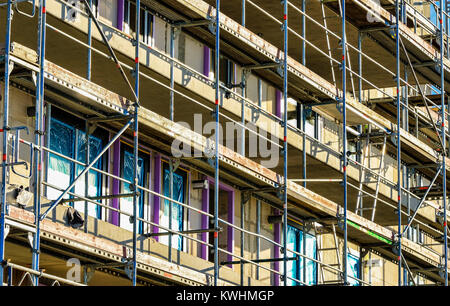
(200, 152)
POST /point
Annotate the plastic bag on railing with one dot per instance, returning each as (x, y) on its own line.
(74, 218)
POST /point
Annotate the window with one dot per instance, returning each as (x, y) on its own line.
(310, 118)
(415, 234)
(301, 269)
(293, 243)
(94, 178)
(127, 172)
(353, 269)
(352, 148)
(292, 112)
(147, 27)
(94, 8)
(146, 21)
(179, 194)
(70, 141)
(226, 71)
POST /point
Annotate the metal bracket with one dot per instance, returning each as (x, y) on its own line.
(340, 106)
(364, 252)
(280, 70)
(133, 72)
(10, 67)
(176, 31)
(396, 248)
(30, 237)
(255, 114)
(212, 27)
(91, 128)
(246, 197)
(209, 280)
(211, 161)
(34, 77)
(129, 270)
(280, 192)
(193, 23)
(394, 138)
(245, 73)
(340, 221)
(230, 86)
(175, 163)
(7, 229)
(440, 217)
(308, 225)
(262, 66)
(89, 272)
(441, 270)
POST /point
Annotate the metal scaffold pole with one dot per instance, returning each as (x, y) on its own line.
(89, 50)
(285, 144)
(444, 149)
(344, 140)
(136, 143)
(243, 12)
(216, 147)
(399, 164)
(4, 130)
(38, 139)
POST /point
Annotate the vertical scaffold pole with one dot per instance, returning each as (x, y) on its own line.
(446, 20)
(216, 148)
(172, 83)
(38, 140)
(399, 164)
(303, 116)
(444, 152)
(243, 13)
(242, 237)
(89, 51)
(171, 117)
(303, 33)
(86, 178)
(285, 145)
(244, 91)
(344, 138)
(360, 38)
(4, 130)
(258, 231)
(136, 143)
(169, 245)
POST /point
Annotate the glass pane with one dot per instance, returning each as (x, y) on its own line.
(353, 269)
(59, 169)
(311, 251)
(310, 123)
(177, 210)
(94, 178)
(292, 265)
(126, 204)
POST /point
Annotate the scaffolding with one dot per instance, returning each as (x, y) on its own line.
(340, 98)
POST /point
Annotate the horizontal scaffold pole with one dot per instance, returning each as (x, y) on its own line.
(105, 197)
(259, 260)
(196, 231)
